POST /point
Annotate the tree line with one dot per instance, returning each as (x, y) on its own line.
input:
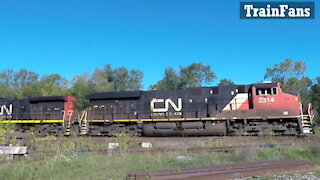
(25, 83)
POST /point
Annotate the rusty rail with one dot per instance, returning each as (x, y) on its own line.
(201, 149)
(228, 171)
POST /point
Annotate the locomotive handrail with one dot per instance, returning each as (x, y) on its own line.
(310, 112)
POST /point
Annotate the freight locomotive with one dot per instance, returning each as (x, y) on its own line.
(45, 115)
(255, 109)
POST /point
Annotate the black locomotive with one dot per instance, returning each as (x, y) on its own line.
(252, 109)
(45, 115)
(223, 110)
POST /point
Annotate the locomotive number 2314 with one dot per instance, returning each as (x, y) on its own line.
(265, 99)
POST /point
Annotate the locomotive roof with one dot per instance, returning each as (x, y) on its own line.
(264, 85)
(48, 98)
(137, 94)
(117, 94)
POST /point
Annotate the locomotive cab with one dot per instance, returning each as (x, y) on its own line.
(268, 98)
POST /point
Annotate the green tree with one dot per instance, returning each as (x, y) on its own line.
(291, 76)
(171, 81)
(18, 84)
(123, 79)
(225, 82)
(119, 79)
(315, 98)
(81, 86)
(24, 78)
(7, 78)
(135, 79)
(298, 86)
(28, 85)
(31, 90)
(7, 89)
(194, 75)
(7, 92)
(53, 85)
(102, 79)
(287, 69)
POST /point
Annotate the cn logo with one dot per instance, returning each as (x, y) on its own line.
(166, 103)
(5, 109)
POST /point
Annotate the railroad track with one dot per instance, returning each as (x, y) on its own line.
(155, 139)
(201, 149)
(222, 172)
(174, 142)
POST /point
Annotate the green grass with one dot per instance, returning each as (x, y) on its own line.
(65, 165)
(288, 153)
(105, 167)
(118, 166)
(317, 130)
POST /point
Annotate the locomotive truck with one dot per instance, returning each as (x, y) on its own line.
(254, 109)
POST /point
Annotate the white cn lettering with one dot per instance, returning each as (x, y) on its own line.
(5, 109)
(166, 105)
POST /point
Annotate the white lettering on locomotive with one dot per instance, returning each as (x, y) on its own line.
(166, 102)
(266, 100)
(4, 109)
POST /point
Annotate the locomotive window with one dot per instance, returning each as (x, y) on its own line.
(258, 91)
(274, 91)
(268, 91)
(263, 91)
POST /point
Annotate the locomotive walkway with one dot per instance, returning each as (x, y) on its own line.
(228, 171)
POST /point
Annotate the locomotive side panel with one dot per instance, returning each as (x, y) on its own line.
(47, 108)
(14, 109)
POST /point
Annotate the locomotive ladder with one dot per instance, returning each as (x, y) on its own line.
(84, 123)
(306, 121)
(67, 124)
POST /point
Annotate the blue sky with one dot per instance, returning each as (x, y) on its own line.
(70, 37)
